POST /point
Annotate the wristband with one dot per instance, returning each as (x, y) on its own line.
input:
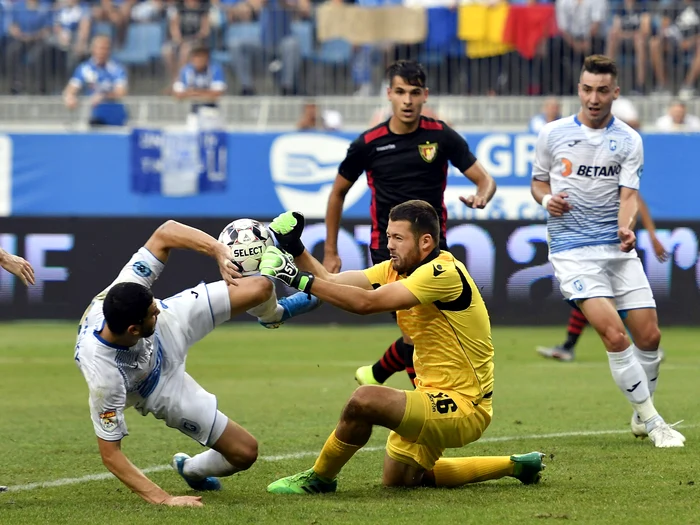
(306, 279)
(545, 200)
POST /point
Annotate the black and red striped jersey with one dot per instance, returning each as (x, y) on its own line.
(405, 167)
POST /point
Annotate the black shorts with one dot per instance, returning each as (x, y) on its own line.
(380, 255)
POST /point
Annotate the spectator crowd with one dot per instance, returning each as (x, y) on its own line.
(293, 47)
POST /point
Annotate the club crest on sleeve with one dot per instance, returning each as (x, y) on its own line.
(428, 151)
(142, 268)
(190, 426)
(108, 420)
(578, 285)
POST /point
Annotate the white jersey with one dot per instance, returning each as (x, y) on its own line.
(589, 165)
(117, 376)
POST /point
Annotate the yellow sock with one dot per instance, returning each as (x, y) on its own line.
(333, 457)
(454, 472)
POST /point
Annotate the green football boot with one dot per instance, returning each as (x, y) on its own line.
(307, 482)
(365, 376)
(528, 467)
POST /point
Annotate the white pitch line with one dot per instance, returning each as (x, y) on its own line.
(75, 481)
(305, 454)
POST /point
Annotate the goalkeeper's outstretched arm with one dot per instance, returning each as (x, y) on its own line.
(351, 291)
(308, 263)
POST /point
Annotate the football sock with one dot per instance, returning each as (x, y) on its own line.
(453, 472)
(268, 311)
(632, 382)
(392, 361)
(646, 412)
(577, 322)
(209, 463)
(651, 362)
(334, 455)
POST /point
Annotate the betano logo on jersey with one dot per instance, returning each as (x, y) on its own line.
(303, 167)
(590, 171)
(599, 171)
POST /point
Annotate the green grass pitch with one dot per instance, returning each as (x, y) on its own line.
(288, 386)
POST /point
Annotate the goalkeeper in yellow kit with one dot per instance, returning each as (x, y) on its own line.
(442, 311)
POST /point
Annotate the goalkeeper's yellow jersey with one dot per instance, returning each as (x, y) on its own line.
(450, 327)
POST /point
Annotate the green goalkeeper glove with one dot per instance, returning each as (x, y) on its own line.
(287, 228)
(275, 263)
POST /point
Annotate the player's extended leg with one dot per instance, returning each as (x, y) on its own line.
(565, 351)
(369, 405)
(436, 420)
(185, 319)
(627, 372)
(257, 296)
(455, 472)
(234, 449)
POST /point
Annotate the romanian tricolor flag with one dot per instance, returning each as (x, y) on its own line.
(492, 30)
(481, 26)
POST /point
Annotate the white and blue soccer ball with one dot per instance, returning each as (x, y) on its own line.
(247, 239)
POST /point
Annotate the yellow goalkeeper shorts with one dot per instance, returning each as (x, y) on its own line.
(434, 421)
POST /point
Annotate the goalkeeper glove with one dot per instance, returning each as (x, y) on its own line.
(287, 228)
(275, 263)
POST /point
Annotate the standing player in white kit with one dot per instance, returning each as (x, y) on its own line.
(128, 359)
(586, 174)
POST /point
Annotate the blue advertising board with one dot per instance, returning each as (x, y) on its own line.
(178, 163)
(263, 174)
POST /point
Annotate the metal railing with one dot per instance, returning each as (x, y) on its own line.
(283, 113)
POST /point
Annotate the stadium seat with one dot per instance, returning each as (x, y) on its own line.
(243, 30)
(240, 30)
(334, 52)
(143, 43)
(304, 31)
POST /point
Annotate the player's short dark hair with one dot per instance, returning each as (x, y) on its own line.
(600, 65)
(410, 70)
(126, 304)
(422, 216)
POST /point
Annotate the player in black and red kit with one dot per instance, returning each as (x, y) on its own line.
(405, 158)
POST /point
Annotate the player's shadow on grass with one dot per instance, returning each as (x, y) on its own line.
(486, 489)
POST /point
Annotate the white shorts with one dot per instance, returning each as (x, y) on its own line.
(603, 271)
(178, 399)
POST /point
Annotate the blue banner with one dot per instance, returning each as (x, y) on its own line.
(178, 164)
(261, 175)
